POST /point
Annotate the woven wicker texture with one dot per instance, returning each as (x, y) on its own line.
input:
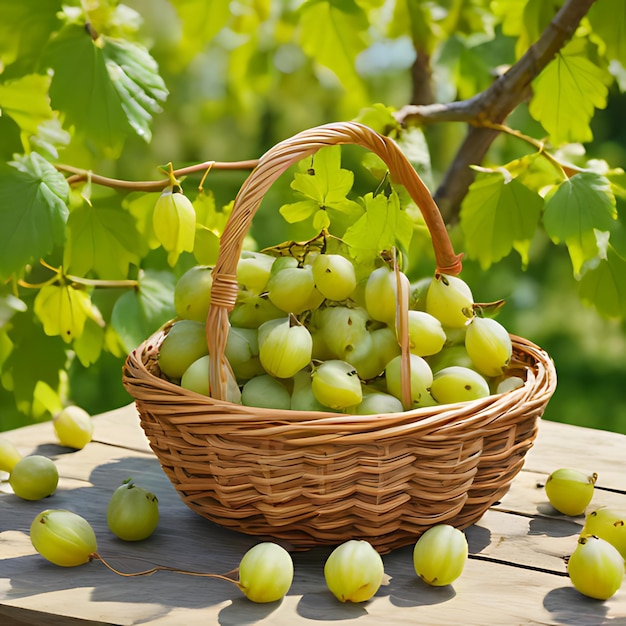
(310, 478)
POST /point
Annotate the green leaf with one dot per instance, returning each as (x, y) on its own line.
(25, 100)
(9, 306)
(604, 287)
(88, 345)
(299, 211)
(137, 314)
(413, 144)
(567, 93)
(63, 311)
(333, 33)
(201, 21)
(608, 19)
(24, 30)
(325, 185)
(525, 19)
(106, 88)
(103, 238)
(575, 209)
(383, 226)
(33, 212)
(499, 213)
(135, 76)
(51, 359)
(326, 181)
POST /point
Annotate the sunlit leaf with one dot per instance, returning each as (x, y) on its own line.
(604, 287)
(88, 346)
(206, 246)
(326, 181)
(103, 238)
(33, 212)
(383, 225)
(63, 311)
(575, 209)
(19, 371)
(25, 100)
(497, 215)
(567, 92)
(9, 306)
(24, 30)
(137, 314)
(201, 21)
(333, 33)
(608, 19)
(299, 211)
(107, 88)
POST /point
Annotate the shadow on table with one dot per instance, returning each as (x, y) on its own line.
(567, 606)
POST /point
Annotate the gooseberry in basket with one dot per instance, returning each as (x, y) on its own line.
(440, 554)
(63, 537)
(421, 380)
(609, 524)
(34, 477)
(184, 343)
(133, 512)
(336, 384)
(488, 345)
(285, 346)
(458, 384)
(426, 334)
(292, 289)
(253, 270)
(570, 490)
(450, 300)
(334, 276)
(192, 293)
(73, 426)
(265, 572)
(381, 294)
(596, 568)
(354, 571)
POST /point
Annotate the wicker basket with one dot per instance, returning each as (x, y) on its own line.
(311, 479)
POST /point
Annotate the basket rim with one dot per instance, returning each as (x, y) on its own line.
(181, 406)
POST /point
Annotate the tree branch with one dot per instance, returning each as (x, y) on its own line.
(492, 105)
(78, 175)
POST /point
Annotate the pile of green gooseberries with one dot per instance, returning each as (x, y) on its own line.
(596, 566)
(310, 333)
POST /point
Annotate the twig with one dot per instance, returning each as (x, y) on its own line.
(78, 175)
(494, 104)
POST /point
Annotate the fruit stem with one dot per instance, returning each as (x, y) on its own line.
(78, 175)
(161, 568)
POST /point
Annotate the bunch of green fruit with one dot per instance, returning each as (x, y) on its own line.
(311, 333)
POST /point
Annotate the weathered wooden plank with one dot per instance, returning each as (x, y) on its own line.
(514, 546)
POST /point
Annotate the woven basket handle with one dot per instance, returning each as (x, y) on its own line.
(270, 166)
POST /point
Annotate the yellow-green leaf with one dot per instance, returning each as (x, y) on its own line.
(102, 238)
(25, 100)
(498, 214)
(604, 287)
(577, 208)
(333, 33)
(63, 310)
(567, 92)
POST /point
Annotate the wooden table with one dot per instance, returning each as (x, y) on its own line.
(515, 574)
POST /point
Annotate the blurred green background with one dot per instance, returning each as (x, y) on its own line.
(249, 87)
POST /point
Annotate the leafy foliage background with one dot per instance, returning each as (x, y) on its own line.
(95, 95)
